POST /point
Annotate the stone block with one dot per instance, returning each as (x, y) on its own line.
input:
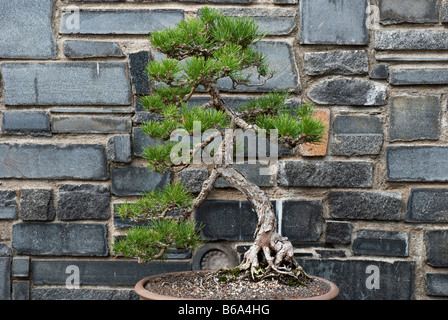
(140, 140)
(436, 244)
(21, 266)
(409, 11)
(120, 21)
(119, 148)
(37, 205)
(80, 49)
(324, 174)
(21, 289)
(419, 76)
(34, 123)
(365, 205)
(53, 161)
(101, 83)
(193, 178)
(90, 124)
(417, 163)
(338, 232)
(257, 173)
(325, 22)
(138, 62)
(383, 243)
(349, 92)
(437, 284)
(5, 280)
(380, 72)
(60, 239)
(84, 201)
(411, 39)
(8, 204)
(26, 30)
(336, 62)
(414, 117)
(444, 13)
(427, 205)
(56, 293)
(127, 181)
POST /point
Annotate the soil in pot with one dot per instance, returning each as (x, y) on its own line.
(211, 286)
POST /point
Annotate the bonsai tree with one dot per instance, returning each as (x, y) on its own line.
(199, 52)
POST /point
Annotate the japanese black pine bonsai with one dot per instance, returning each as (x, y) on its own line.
(198, 53)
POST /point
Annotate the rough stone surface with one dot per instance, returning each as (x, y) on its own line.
(21, 289)
(325, 22)
(21, 266)
(85, 201)
(119, 148)
(417, 163)
(79, 49)
(413, 39)
(419, 76)
(193, 178)
(8, 204)
(49, 161)
(349, 92)
(380, 72)
(436, 243)
(437, 284)
(83, 294)
(384, 243)
(427, 205)
(325, 174)
(414, 117)
(338, 232)
(34, 123)
(138, 62)
(37, 205)
(27, 34)
(365, 205)
(140, 140)
(90, 124)
(101, 83)
(336, 62)
(60, 239)
(410, 11)
(5, 280)
(127, 181)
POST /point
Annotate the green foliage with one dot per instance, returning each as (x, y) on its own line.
(158, 156)
(208, 119)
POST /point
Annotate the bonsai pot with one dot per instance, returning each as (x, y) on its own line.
(146, 294)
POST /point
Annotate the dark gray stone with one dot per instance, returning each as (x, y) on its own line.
(396, 279)
(436, 243)
(349, 92)
(90, 124)
(417, 163)
(140, 140)
(300, 220)
(8, 204)
(101, 272)
(138, 62)
(127, 181)
(365, 205)
(21, 289)
(85, 201)
(35, 123)
(120, 21)
(5, 250)
(380, 72)
(336, 62)
(437, 284)
(119, 148)
(21, 266)
(256, 173)
(37, 205)
(83, 294)
(357, 124)
(5, 280)
(193, 178)
(325, 22)
(101, 83)
(383, 243)
(427, 205)
(26, 30)
(414, 117)
(325, 174)
(60, 239)
(79, 49)
(410, 11)
(419, 76)
(412, 39)
(50, 161)
(338, 232)
(444, 13)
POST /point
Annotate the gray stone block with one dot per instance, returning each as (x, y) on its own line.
(256, 173)
(444, 12)
(380, 72)
(21, 289)
(90, 124)
(127, 181)
(338, 232)
(300, 220)
(37, 205)
(79, 49)
(8, 204)
(119, 148)
(325, 22)
(193, 178)
(26, 30)
(365, 205)
(120, 21)
(349, 92)
(417, 163)
(419, 76)
(82, 83)
(427, 205)
(140, 140)
(85, 201)
(332, 174)
(52, 161)
(60, 239)
(383, 243)
(437, 284)
(83, 294)
(411, 39)
(414, 117)
(357, 124)
(138, 62)
(5, 280)
(436, 244)
(35, 123)
(336, 62)
(21, 267)
(410, 11)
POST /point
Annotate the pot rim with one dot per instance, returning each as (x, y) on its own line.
(149, 295)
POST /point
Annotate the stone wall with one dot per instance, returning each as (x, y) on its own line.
(367, 209)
